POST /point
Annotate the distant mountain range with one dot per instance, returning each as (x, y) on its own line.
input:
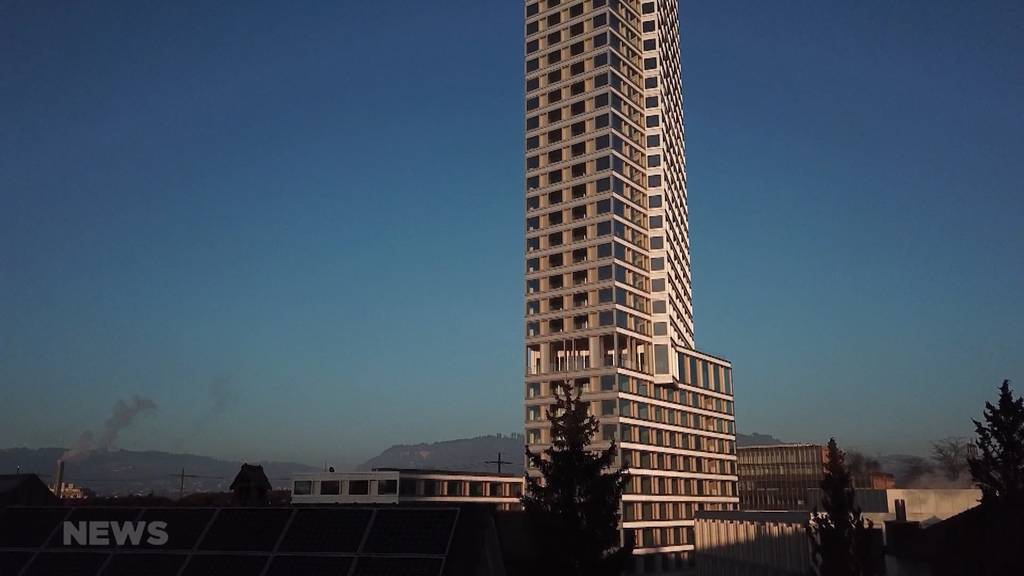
(139, 472)
(471, 454)
(756, 439)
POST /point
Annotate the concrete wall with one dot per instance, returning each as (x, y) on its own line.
(925, 505)
(734, 543)
(932, 505)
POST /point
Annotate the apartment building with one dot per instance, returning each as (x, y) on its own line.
(608, 287)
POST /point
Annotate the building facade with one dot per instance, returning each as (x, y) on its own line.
(767, 543)
(399, 485)
(776, 543)
(924, 505)
(785, 476)
(778, 477)
(608, 288)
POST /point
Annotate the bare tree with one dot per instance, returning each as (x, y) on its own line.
(914, 468)
(950, 454)
(861, 465)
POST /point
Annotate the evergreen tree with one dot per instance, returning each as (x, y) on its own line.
(994, 538)
(998, 468)
(573, 507)
(840, 537)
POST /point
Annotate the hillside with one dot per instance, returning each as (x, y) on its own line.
(119, 472)
(471, 453)
(756, 439)
(468, 454)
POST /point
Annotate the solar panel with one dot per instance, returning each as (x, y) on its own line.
(309, 566)
(88, 514)
(13, 562)
(384, 566)
(224, 565)
(78, 515)
(66, 564)
(144, 564)
(411, 531)
(246, 529)
(184, 525)
(28, 527)
(386, 540)
(326, 530)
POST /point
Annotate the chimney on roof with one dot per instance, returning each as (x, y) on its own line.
(901, 510)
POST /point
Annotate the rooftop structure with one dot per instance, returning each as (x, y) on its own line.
(24, 490)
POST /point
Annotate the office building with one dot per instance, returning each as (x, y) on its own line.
(785, 476)
(778, 477)
(608, 287)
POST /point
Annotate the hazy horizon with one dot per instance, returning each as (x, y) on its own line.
(302, 238)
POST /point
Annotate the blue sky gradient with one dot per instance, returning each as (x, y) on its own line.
(300, 230)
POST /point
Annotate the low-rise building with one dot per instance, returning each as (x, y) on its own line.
(400, 485)
(781, 476)
(769, 542)
(924, 505)
(777, 477)
(70, 491)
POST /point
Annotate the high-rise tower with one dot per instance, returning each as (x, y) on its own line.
(608, 290)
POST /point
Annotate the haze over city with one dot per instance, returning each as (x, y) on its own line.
(299, 233)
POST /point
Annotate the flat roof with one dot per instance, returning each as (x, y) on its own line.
(446, 472)
(781, 516)
(703, 353)
(787, 445)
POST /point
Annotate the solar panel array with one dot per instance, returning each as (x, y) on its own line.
(342, 541)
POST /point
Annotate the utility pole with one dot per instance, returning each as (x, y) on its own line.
(499, 462)
(181, 481)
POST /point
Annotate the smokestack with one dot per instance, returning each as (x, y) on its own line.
(58, 481)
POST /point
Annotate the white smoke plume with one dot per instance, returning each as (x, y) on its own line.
(121, 417)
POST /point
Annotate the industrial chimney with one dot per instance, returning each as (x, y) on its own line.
(58, 481)
(901, 510)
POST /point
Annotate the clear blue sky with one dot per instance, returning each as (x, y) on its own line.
(299, 230)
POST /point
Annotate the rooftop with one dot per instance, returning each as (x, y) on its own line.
(446, 472)
(421, 541)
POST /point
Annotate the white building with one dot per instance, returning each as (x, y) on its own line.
(396, 485)
(924, 505)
